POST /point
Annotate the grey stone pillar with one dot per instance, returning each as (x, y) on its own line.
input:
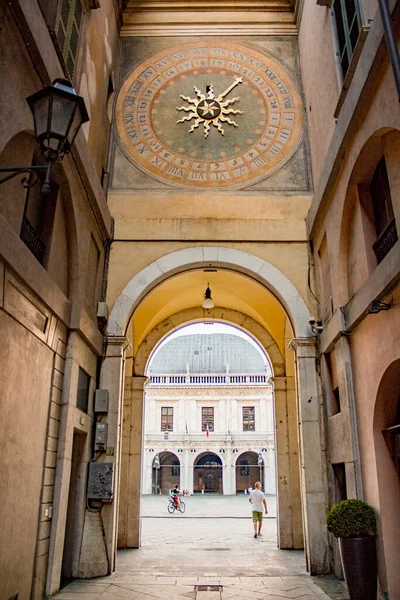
(129, 523)
(112, 379)
(290, 525)
(312, 446)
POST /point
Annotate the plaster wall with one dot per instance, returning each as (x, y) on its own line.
(25, 367)
(97, 79)
(320, 80)
(379, 117)
(374, 346)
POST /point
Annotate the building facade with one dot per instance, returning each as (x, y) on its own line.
(209, 423)
(252, 147)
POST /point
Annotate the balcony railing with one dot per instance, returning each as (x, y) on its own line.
(32, 240)
(385, 241)
(209, 380)
(213, 437)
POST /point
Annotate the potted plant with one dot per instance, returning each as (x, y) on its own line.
(354, 523)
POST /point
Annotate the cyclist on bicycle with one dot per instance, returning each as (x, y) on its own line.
(175, 493)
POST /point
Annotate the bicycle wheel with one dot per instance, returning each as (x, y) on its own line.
(171, 507)
(183, 506)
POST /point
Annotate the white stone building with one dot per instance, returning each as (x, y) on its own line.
(209, 421)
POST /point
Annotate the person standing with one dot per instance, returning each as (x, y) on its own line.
(258, 503)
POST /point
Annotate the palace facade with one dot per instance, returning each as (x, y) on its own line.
(209, 422)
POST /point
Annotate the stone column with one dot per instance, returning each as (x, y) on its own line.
(185, 475)
(312, 446)
(229, 479)
(348, 418)
(129, 524)
(112, 378)
(290, 525)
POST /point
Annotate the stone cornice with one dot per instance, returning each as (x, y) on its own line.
(228, 17)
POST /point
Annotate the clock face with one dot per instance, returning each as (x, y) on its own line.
(209, 116)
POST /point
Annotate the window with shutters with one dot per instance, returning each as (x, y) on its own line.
(249, 423)
(207, 418)
(67, 30)
(347, 17)
(167, 418)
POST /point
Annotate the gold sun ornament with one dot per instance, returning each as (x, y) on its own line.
(210, 110)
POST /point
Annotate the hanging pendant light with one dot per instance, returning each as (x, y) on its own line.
(208, 302)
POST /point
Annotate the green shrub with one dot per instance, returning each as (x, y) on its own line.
(351, 518)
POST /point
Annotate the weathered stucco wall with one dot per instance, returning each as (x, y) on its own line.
(25, 381)
(320, 80)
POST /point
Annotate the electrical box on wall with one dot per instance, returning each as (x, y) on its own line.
(101, 481)
(100, 441)
(101, 401)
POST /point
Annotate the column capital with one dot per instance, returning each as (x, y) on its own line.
(116, 346)
(286, 383)
(138, 382)
(304, 347)
(278, 383)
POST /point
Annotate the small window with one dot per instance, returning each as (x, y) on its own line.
(207, 418)
(167, 418)
(333, 400)
(347, 18)
(82, 398)
(249, 423)
(92, 272)
(175, 470)
(67, 29)
(339, 473)
(383, 212)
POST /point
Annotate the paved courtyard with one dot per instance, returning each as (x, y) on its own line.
(211, 545)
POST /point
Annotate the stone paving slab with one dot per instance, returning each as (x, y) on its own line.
(178, 554)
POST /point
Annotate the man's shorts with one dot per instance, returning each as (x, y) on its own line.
(257, 516)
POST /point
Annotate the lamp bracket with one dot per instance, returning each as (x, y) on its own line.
(32, 179)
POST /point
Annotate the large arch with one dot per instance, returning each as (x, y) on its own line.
(386, 441)
(299, 512)
(196, 315)
(189, 258)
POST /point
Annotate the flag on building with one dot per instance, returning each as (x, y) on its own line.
(207, 430)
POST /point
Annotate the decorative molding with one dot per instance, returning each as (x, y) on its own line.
(176, 18)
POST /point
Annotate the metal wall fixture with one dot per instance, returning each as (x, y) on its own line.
(58, 113)
(208, 302)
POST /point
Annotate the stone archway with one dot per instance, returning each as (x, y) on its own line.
(387, 456)
(189, 258)
(247, 470)
(165, 473)
(313, 502)
(208, 473)
(196, 315)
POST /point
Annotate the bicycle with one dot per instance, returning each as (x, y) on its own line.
(172, 506)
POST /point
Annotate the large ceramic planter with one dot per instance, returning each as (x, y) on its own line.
(360, 567)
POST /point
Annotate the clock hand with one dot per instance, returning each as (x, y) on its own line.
(234, 84)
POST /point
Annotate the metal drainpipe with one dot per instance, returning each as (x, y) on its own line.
(391, 42)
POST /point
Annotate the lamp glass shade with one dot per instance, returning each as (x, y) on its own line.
(58, 113)
(208, 303)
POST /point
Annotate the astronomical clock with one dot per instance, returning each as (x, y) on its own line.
(210, 115)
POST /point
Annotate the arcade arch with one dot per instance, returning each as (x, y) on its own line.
(249, 468)
(165, 472)
(207, 473)
(144, 295)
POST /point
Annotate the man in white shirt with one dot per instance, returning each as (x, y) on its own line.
(258, 502)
